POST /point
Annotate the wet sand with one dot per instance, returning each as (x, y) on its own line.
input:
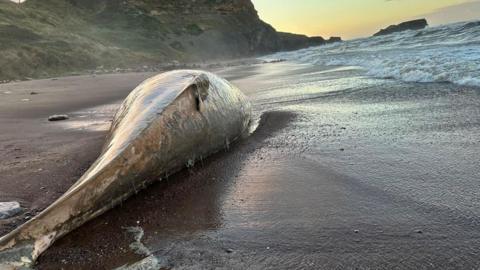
(344, 172)
(41, 159)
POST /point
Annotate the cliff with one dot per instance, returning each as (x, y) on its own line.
(410, 25)
(51, 37)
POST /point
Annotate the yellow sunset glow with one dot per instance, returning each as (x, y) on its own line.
(357, 18)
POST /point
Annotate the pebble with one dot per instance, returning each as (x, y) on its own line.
(9, 209)
(58, 117)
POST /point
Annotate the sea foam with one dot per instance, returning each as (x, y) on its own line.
(447, 53)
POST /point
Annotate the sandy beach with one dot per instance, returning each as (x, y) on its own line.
(344, 172)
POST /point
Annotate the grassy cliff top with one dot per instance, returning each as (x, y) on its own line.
(41, 38)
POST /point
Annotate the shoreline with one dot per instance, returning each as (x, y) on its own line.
(156, 68)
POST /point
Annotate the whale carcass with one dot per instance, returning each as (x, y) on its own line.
(165, 124)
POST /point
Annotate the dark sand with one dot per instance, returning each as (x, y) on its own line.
(41, 159)
(335, 177)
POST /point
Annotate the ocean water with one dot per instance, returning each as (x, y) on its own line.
(447, 53)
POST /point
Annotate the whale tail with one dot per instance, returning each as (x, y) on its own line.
(15, 255)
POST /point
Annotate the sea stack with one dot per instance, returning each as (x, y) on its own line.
(410, 25)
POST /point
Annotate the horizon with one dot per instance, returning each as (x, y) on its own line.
(326, 19)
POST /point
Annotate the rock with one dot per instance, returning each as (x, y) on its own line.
(334, 39)
(58, 117)
(33, 93)
(289, 41)
(229, 250)
(316, 41)
(9, 209)
(410, 25)
(356, 231)
(418, 231)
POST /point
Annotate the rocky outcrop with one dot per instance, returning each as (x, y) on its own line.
(52, 37)
(334, 39)
(289, 41)
(410, 25)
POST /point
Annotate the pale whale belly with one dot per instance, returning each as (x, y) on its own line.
(167, 123)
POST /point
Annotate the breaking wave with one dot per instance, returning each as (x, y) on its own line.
(447, 53)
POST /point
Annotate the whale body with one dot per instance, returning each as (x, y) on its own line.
(168, 122)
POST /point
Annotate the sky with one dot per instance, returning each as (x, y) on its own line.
(359, 18)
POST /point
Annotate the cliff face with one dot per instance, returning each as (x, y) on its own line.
(46, 37)
(198, 29)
